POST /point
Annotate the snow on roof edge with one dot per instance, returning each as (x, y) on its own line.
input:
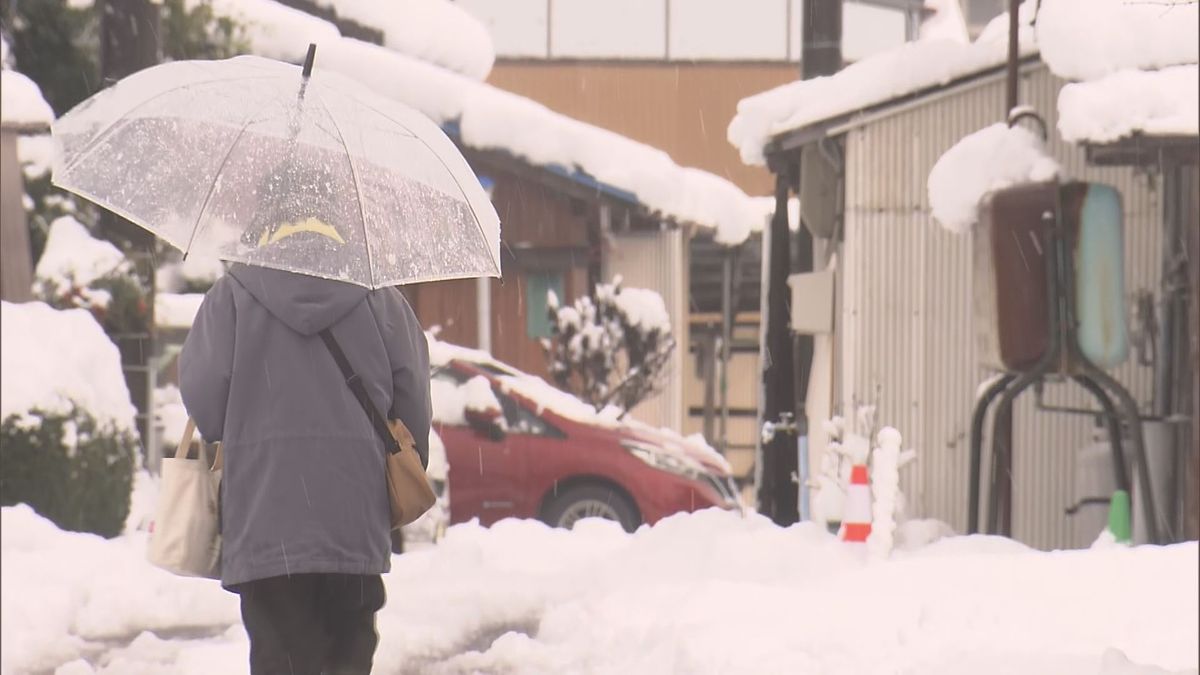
(907, 70)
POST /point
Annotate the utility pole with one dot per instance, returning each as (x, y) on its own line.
(787, 359)
(129, 42)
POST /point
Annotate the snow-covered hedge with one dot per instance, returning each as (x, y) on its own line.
(68, 443)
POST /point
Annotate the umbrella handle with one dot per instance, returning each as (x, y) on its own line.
(308, 60)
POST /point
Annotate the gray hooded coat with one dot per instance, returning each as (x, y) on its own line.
(303, 486)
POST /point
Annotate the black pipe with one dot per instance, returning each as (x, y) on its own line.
(977, 420)
(1113, 422)
(308, 60)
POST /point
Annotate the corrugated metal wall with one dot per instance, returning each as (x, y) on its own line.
(907, 339)
(655, 260)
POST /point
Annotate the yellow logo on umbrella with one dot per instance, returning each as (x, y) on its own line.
(310, 225)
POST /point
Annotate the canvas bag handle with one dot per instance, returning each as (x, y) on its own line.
(185, 441)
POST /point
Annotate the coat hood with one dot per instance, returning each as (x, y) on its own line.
(305, 304)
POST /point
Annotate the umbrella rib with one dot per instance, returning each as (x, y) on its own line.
(362, 213)
(103, 133)
(213, 187)
(433, 152)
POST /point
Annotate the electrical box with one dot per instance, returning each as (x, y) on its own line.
(818, 193)
(812, 302)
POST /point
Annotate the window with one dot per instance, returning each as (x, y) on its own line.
(521, 421)
(537, 285)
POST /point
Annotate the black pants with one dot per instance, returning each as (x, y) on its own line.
(312, 624)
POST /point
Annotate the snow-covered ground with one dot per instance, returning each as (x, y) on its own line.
(711, 592)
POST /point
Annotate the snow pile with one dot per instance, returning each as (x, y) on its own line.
(643, 308)
(1158, 103)
(53, 360)
(992, 158)
(876, 79)
(707, 593)
(1088, 39)
(64, 592)
(436, 31)
(73, 258)
(1137, 62)
(170, 415)
(21, 103)
(176, 310)
(36, 154)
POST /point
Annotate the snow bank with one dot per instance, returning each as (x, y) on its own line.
(1161, 102)
(992, 158)
(53, 360)
(707, 593)
(876, 79)
(1088, 39)
(436, 31)
(63, 591)
(175, 310)
(73, 257)
(21, 102)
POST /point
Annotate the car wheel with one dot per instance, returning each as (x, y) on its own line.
(591, 501)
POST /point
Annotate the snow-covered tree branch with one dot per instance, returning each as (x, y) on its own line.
(612, 347)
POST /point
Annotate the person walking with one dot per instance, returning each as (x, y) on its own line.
(304, 511)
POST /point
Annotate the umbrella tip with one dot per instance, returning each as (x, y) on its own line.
(308, 60)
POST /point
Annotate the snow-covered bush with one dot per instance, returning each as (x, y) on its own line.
(77, 270)
(68, 443)
(610, 348)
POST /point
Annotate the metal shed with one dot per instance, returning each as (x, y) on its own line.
(904, 333)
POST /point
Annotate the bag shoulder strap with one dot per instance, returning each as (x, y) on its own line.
(378, 421)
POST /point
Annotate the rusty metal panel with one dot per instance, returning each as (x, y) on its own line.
(906, 322)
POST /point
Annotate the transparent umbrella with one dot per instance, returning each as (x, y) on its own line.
(256, 161)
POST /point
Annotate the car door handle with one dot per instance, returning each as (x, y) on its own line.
(497, 505)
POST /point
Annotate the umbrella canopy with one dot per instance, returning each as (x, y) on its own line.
(250, 160)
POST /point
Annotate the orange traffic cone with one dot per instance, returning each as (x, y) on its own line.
(856, 523)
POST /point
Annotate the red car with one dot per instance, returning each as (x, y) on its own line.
(519, 448)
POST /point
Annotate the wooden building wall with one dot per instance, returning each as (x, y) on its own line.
(681, 108)
(542, 232)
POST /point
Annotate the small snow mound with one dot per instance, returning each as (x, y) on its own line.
(990, 159)
(1115, 662)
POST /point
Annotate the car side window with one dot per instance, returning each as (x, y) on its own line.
(521, 421)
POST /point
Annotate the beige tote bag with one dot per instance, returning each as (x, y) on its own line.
(185, 537)
(409, 492)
